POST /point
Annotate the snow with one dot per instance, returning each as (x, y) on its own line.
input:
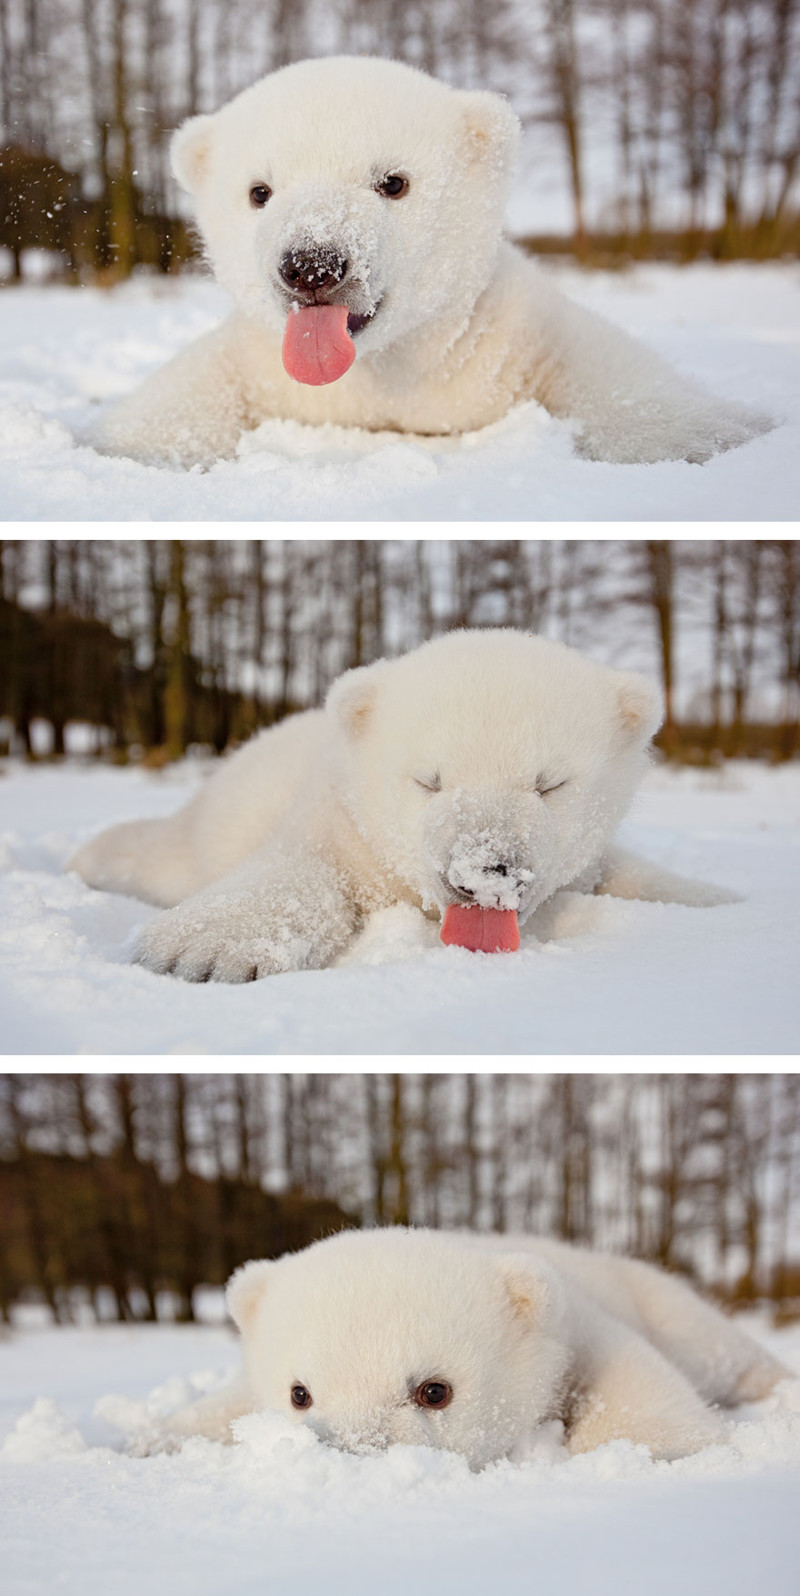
(64, 351)
(609, 976)
(281, 1512)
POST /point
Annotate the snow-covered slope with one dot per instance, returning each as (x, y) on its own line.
(615, 977)
(64, 351)
(280, 1514)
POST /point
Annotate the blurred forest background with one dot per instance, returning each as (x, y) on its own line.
(146, 648)
(125, 1193)
(670, 127)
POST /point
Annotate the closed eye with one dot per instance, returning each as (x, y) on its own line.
(429, 783)
(555, 787)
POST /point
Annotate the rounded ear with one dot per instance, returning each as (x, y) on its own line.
(640, 704)
(244, 1291)
(490, 127)
(190, 152)
(531, 1288)
(351, 698)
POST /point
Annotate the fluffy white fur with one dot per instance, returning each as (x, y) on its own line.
(524, 1330)
(487, 766)
(465, 326)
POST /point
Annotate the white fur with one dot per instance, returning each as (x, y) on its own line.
(465, 325)
(313, 824)
(524, 1330)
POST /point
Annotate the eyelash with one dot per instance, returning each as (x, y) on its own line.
(434, 785)
(543, 791)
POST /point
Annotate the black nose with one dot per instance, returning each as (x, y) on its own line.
(499, 869)
(307, 272)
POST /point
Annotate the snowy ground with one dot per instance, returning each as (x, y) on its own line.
(65, 351)
(613, 977)
(282, 1514)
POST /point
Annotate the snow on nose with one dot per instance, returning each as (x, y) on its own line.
(366, 1436)
(361, 1441)
(326, 242)
(310, 272)
(351, 1431)
(491, 882)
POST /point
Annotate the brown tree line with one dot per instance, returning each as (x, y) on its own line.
(159, 644)
(126, 1188)
(693, 102)
(130, 1191)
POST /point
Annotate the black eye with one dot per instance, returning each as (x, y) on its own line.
(392, 186)
(433, 1394)
(301, 1397)
(259, 194)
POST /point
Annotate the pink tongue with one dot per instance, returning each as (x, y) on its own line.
(480, 930)
(317, 347)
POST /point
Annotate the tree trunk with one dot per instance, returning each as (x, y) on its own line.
(661, 574)
(397, 1169)
(177, 707)
(122, 196)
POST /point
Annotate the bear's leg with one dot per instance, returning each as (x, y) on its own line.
(632, 406)
(145, 859)
(723, 1363)
(282, 909)
(624, 875)
(191, 412)
(630, 1392)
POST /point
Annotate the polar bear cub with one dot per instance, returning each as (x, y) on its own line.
(472, 1342)
(353, 209)
(485, 769)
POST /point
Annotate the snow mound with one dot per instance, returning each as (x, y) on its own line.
(64, 352)
(280, 1511)
(600, 975)
(42, 1434)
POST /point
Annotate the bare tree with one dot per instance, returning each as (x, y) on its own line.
(564, 72)
(785, 594)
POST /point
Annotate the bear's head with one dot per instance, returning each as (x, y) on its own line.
(490, 767)
(357, 183)
(396, 1335)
